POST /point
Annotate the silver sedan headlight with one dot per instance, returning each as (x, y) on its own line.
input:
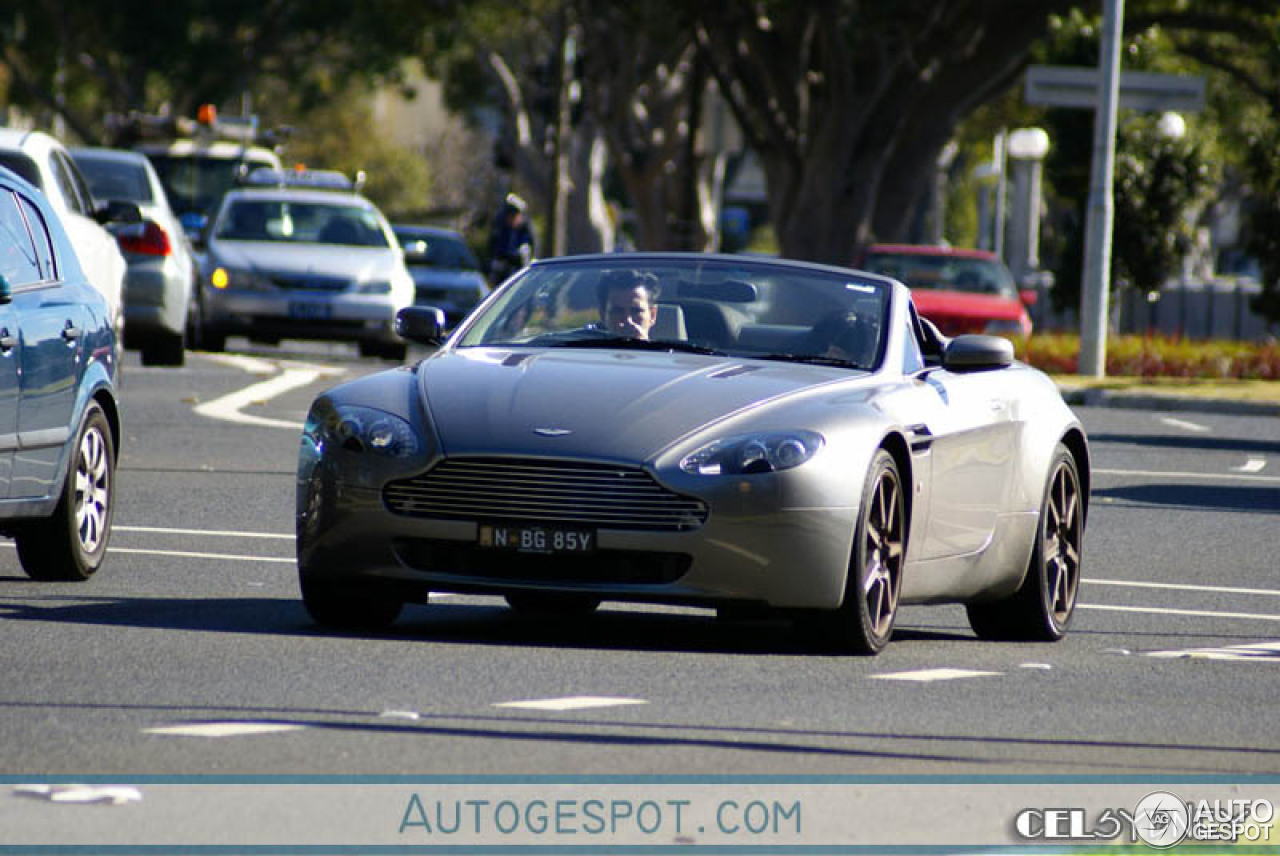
(748, 454)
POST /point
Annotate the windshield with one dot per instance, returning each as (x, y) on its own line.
(952, 273)
(292, 222)
(747, 309)
(430, 249)
(113, 179)
(194, 183)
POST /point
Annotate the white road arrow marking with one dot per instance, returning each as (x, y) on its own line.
(294, 375)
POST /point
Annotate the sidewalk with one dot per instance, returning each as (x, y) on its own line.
(1243, 398)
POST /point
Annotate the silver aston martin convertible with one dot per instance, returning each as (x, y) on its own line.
(742, 433)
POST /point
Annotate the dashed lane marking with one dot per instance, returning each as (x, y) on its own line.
(1253, 465)
(571, 703)
(928, 675)
(1185, 425)
(222, 729)
(1254, 651)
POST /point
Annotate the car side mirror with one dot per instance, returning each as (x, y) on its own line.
(423, 325)
(118, 211)
(975, 353)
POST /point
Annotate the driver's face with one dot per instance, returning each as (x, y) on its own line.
(628, 312)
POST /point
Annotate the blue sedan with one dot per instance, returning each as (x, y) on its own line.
(59, 411)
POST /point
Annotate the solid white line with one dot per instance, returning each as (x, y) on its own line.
(1182, 587)
(1175, 475)
(219, 533)
(181, 554)
(1160, 611)
(1183, 424)
(1253, 465)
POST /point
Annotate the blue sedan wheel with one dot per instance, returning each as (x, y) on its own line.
(72, 543)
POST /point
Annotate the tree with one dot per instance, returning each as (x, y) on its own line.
(79, 59)
(849, 104)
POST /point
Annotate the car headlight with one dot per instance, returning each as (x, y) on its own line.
(367, 429)
(383, 287)
(238, 280)
(748, 454)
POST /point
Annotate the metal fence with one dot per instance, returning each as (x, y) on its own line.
(1195, 310)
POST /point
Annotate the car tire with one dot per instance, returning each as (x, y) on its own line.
(1042, 607)
(212, 339)
(864, 622)
(167, 349)
(337, 608)
(548, 604)
(71, 545)
(394, 351)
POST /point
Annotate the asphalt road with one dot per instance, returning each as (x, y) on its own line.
(189, 653)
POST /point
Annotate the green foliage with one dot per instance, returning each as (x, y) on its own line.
(1157, 357)
(1159, 183)
(335, 135)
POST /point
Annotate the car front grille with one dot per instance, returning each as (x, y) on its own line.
(309, 282)
(546, 491)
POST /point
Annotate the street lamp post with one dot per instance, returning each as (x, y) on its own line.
(1096, 291)
(1026, 152)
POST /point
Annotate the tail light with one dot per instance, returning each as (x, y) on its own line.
(147, 238)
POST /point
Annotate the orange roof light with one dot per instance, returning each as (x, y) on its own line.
(299, 167)
(207, 114)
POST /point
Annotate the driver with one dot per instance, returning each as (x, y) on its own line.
(628, 302)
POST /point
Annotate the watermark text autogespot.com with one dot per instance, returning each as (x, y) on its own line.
(600, 817)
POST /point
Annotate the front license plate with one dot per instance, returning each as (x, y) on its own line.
(537, 539)
(309, 310)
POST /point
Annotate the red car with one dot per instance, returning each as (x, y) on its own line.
(961, 291)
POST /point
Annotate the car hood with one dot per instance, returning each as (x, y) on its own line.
(610, 405)
(352, 262)
(964, 304)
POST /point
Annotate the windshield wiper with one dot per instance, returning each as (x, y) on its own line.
(810, 359)
(609, 340)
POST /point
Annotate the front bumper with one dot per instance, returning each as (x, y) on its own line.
(754, 547)
(303, 315)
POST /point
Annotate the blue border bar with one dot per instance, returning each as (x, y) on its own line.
(578, 779)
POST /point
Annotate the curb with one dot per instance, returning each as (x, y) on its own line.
(1087, 397)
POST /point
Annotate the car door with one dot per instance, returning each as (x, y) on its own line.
(19, 266)
(52, 324)
(962, 435)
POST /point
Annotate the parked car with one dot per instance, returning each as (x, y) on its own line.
(960, 290)
(59, 413)
(301, 255)
(161, 275)
(643, 428)
(445, 271)
(46, 163)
